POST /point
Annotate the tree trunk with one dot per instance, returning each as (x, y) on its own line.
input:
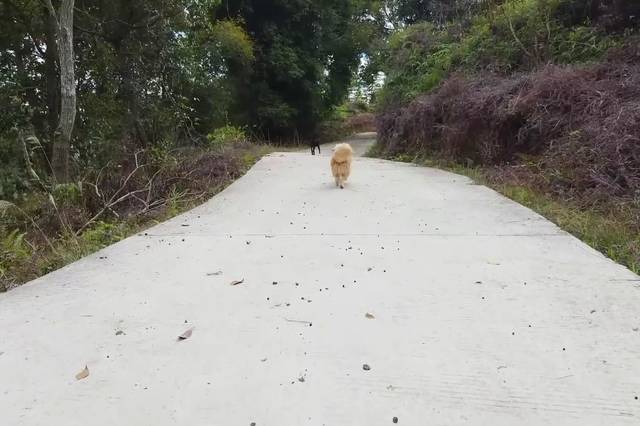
(62, 140)
(52, 81)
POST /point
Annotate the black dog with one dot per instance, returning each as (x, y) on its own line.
(315, 144)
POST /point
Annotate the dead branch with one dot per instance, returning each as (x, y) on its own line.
(517, 39)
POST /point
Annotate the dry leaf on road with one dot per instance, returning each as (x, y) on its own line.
(83, 374)
(186, 334)
(370, 316)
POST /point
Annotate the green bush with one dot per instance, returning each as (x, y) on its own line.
(524, 34)
(101, 235)
(227, 134)
(418, 58)
(582, 44)
(516, 35)
(67, 193)
(13, 249)
(233, 42)
(13, 177)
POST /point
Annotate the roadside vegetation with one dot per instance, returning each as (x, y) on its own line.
(55, 226)
(538, 99)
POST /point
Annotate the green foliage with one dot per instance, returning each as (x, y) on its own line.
(67, 193)
(149, 73)
(165, 73)
(582, 44)
(512, 36)
(233, 42)
(439, 12)
(305, 55)
(418, 59)
(227, 134)
(101, 235)
(13, 249)
(522, 34)
(70, 248)
(161, 154)
(349, 109)
(13, 178)
(220, 55)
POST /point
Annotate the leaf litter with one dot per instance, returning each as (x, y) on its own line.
(83, 374)
(186, 334)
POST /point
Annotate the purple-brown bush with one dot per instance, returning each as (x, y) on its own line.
(576, 127)
(359, 123)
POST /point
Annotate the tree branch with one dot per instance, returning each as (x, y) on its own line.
(515, 36)
(52, 10)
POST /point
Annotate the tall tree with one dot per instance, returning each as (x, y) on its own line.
(306, 53)
(63, 21)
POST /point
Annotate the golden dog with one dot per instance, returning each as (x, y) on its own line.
(341, 163)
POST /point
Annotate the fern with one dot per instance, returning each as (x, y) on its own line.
(13, 247)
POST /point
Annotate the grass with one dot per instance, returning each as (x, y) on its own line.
(614, 232)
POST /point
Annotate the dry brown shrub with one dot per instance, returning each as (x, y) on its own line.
(359, 123)
(577, 126)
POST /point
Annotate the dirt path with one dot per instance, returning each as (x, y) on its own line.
(411, 294)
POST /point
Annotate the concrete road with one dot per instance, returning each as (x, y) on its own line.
(361, 143)
(412, 294)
